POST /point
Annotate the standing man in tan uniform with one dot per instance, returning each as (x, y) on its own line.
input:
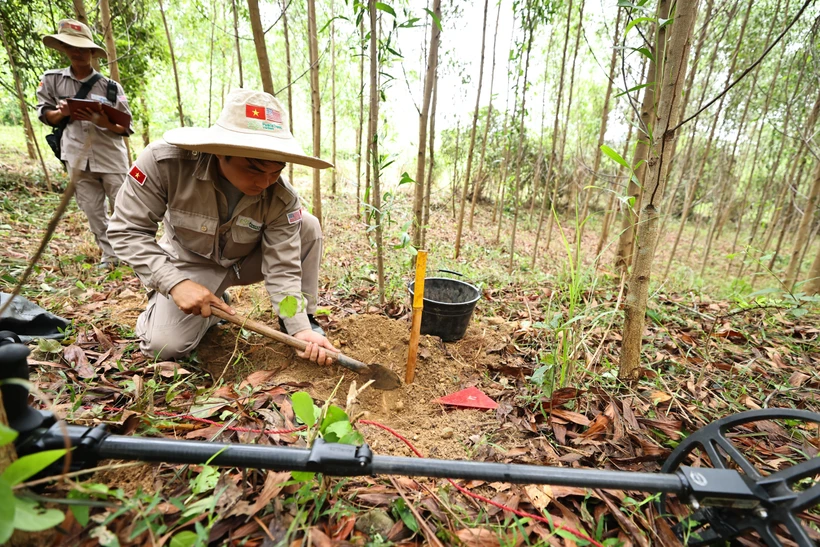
(99, 168)
(230, 218)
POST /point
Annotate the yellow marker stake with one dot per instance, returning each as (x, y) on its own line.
(418, 305)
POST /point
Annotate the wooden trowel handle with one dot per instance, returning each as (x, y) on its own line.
(273, 334)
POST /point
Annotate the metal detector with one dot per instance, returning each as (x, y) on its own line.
(732, 499)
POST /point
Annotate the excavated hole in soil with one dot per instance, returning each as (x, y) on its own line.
(437, 431)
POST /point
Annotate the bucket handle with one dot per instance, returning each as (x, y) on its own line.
(477, 285)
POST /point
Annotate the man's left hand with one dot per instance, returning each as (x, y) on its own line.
(100, 119)
(315, 350)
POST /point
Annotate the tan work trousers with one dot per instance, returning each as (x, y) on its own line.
(90, 191)
(166, 332)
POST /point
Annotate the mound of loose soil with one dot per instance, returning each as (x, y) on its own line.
(436, 430)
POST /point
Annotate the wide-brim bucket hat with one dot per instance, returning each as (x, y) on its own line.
(73, 33)
(252, 124)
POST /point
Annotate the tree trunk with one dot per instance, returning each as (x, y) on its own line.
(173, 64)
(261, 48)
(21, 98)
(373, 143)
(521, 133)
(430, 164)
(468, 171)
(111, 50)
(360, 126)
(432, 62)
(211, 63)
(481, 177)
(313, 46)
(236, 40)
(673, 71)
(553, 160)
(572, 185)
(333, 173)
(146, 123)
(803, 231)
(289, 76)
(812, 286)
(687, 95)
(692, 192)
(626, 241)
(82, 16)
(596, 163)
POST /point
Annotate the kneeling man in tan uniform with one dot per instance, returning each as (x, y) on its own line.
(230, 218)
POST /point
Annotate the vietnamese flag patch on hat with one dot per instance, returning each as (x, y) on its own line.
(137, 175)
(255, 112)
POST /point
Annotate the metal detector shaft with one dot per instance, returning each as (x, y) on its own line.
(347, 460)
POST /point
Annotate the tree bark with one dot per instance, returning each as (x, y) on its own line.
(211, 63)
(261, 48)
(431, 163)
(432, 62)
(626, 240)
(373, 143)
(82, 17)
(673, 70)
(236, 41)
(812, 285)
(146, 121)
(313, 46)
(173, 64)
(553, 159)
(289, 76)
(361, 125)
(111, 50)
(468, 170)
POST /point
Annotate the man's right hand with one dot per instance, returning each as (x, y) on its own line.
(193, 298)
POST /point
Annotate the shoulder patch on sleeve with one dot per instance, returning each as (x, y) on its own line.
(137, 174)
(295, 216)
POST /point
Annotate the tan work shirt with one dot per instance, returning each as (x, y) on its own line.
(180, 188)
(107, 153)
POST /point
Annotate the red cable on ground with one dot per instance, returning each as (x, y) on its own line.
(576, 533)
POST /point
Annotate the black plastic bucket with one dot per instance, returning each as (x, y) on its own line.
(448, 307)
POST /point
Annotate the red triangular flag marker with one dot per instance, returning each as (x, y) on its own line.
(472, 397)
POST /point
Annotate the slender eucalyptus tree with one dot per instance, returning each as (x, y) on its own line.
(261, 47)
(316, 107)
(673, 72)
(432, 62)
(468, 170)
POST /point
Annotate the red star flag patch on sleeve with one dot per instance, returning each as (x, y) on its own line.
(294, 216)
(255, 112)
(137, 175)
